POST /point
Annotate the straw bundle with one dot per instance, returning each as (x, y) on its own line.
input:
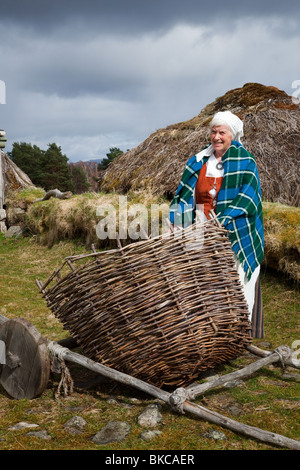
(162, 309)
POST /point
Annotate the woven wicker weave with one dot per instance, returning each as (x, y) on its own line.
(162, 309)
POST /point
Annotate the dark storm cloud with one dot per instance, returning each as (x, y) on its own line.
(94, 74)
(132, 16)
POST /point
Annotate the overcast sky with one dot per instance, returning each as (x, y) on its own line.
(90, 75)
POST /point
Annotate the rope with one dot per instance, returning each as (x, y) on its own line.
(56, 354)
(284, 353)
(177, 398)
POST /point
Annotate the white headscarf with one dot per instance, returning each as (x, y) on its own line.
(232, 121)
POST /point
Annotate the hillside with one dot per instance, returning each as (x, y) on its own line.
(271, 128)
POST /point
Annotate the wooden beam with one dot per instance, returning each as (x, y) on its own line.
(289, 361)
(184, 405)
(247, 371)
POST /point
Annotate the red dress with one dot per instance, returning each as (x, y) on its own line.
(206, 191)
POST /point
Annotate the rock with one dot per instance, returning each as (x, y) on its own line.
(3, 228)
(113, 431)
(40, 435)
(15, 215)
(213, 434)
(22, 425)
(150, 417)
(2, 214)
(112, 401)
(14, 231)
(235, 409)
(75, 425)
(135, 401)
(149, 435)
(290, 375)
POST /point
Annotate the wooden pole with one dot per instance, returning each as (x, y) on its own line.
(170, 399)
(179, 400)
(197, 390)
(1, 182)
(289, 361)
(2, 145)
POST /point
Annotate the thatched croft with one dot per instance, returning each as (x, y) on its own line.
(271, 127)
(13, 178)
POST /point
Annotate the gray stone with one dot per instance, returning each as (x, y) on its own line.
(3, 228)
(235, 409)
(213, 434)
(2, 214)
(15, 215)
(149, 435)
(113, 431)
(40, 435)
(22, 425)
(112, 401)
(150, 417)
(14, 231)
(290, 375)
(75, 425)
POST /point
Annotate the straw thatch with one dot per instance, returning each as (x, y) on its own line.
(271, 124)
(162, 309)
(13, 177)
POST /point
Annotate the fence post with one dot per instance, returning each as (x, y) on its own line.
(1, 182)
(2, 145)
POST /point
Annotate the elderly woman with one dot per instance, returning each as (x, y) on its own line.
(224, 178)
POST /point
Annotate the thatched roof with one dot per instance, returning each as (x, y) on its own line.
(271, 127)
(12, 176)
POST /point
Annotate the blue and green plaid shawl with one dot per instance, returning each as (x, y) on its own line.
(239, 204)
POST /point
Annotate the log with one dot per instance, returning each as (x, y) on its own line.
(281, 353)
(289, 361)
(55, 193)
(177, 400)
(28, 364)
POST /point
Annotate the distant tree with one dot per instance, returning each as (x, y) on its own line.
(48, 169)
(113, 153)
(79, 179)
(29, 159)
(56, 172)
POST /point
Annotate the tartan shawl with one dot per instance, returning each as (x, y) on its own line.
(239, 203)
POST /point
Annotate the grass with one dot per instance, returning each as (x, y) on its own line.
(77, 218)
(268, 399)
(282, 238)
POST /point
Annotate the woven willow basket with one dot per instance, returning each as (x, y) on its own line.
(162, 310)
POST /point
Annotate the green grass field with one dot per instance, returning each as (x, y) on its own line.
(269, 399)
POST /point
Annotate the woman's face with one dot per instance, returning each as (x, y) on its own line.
(221, 138)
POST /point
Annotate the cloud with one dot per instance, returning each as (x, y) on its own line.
(135, 16)
(102, 88)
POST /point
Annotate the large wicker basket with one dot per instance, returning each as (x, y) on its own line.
(162, 309)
